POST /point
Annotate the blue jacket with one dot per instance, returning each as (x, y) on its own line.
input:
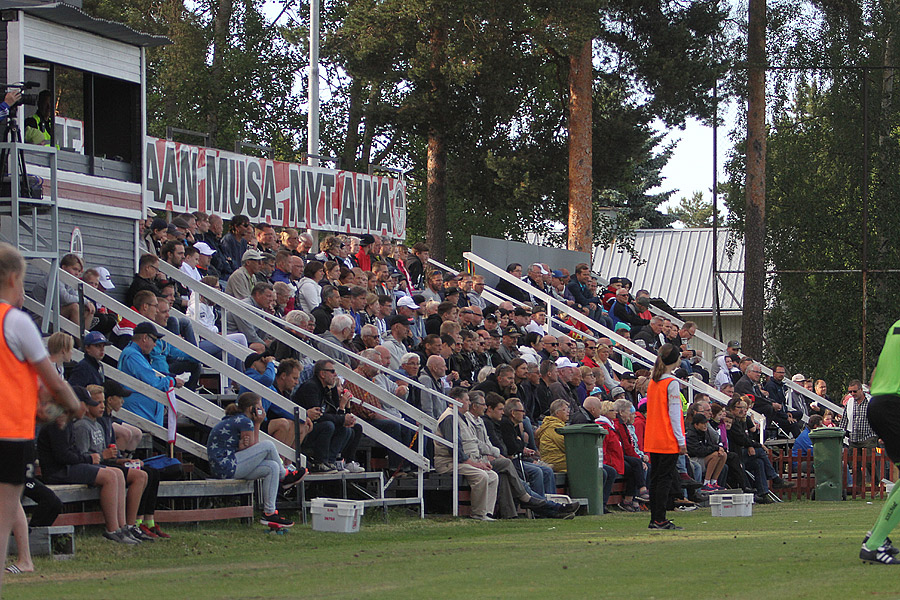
(135, 363)
(232, 251)
(163, 352)
(803, 443)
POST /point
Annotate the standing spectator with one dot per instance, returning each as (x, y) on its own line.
(664, 435)
(417, 265)
(325, 311)
(235, 451)
(234, 244)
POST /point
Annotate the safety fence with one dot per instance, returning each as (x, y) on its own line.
(866, 473)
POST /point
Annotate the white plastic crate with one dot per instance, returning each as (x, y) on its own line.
(731, 505)
(342, 516)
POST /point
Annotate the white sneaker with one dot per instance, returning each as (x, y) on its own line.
(482, 518)
(353, 467)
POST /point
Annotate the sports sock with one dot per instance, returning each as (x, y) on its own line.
(887, 520)
(707, 482)
(138, 522)
(150, 523)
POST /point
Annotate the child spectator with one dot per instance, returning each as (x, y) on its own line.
(702, 444)
(62, 462)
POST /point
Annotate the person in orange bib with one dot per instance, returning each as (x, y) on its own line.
(24, 367)
(664, 434)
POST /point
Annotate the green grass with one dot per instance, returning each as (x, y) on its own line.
(797, 550)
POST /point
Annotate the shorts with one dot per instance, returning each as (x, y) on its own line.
(884, 418)
(81, 473)
(18, 456)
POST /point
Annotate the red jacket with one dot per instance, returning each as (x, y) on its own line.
(613, 454)
(640, 421)
(625, 438)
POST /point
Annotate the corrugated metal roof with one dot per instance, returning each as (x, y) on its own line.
(677, 267)
(70, 16)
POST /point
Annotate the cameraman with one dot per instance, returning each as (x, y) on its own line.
(10, 100)
(39, 126)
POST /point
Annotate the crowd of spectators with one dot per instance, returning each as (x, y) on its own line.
(368, 301)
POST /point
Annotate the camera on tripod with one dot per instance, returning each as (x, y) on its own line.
(27, 99)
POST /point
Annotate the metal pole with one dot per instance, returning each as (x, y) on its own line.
(455, 471)
(865, 214)
(312, 143)
(717, 316)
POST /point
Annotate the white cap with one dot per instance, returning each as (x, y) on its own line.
(543, 270)
(105, 279)
(408, 302)
(563, 362)
(204, 248)
(798, 378)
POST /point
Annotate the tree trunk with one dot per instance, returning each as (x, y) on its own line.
(755, 223)
(580, 159)
(221, 31)
(436, 176)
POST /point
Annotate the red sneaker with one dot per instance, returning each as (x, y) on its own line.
(156, 530)
(147, 531)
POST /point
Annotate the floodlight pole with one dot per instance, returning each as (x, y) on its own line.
(312, 125)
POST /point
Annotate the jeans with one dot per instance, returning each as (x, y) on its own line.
(182, 326)
(326, 441)
(186, 366)
(541, 479)
(609, 478)
(529, 429)
(261, 461)
(233, 361)
(634, 475)
(759, 466)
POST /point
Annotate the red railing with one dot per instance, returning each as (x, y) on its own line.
(864, 469)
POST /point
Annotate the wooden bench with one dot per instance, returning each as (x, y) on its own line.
(185, 501)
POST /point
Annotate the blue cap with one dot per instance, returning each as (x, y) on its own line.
(92, 338)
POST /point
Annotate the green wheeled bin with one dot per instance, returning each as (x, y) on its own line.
(584, 460)
(827, 450)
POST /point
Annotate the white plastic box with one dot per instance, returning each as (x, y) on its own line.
(731, 505)
(342, 516)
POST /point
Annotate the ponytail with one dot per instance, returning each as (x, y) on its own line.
(244, 401)
(667, 356)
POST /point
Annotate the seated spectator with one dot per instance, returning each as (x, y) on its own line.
(634, 459)
(339, 333)
(701, 444)
(62, 462)
(89, 371)
(69, 305)
(135, 360)
(649, 336)
(753, 454)
(59, 346)
(310, 292)
(170, 358)
(190, 263)
(551, 443)
(262, 297)
(614, 456)
(388, 426)
(334, 430)
(145, 303)
(482, 479)
(325, 311)
(538, 475)
(128, 437)
(243, 280)
(93, 436)
(235, 451)
(100, 279)
(204, 311)
(803, 443)
(279, 423)
(206, 266)
(431, 377)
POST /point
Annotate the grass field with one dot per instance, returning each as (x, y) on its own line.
(796, 550)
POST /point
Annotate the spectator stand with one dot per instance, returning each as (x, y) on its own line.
(279, 329)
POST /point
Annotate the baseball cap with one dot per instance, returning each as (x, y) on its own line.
(562, 362)
(394, 320)
(148, 328)
(617, 391)
(522, 312)
(92, 338)
(494, 333)
(798, 378)
(344, 291)
(171, 228)
(450, 277)
(84, 396)
(112, 387)
(251, 358)
(623, 325)
(557, 273)
(512, 331)
(627, 375)
(204, 248)
(643, 300)
(252, 254)
(407, 302)
(105, 278)
(541, 267)
(367, 239)
(734, 344)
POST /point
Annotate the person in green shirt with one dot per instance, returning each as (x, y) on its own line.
(884, 418)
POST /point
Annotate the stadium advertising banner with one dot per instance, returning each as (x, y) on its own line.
(184, 178)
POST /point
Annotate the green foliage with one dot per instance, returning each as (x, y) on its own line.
(693, 211)
(815, 192)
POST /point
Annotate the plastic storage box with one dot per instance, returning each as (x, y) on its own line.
(342, 516)
(731, 505)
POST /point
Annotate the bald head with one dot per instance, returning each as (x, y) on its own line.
(592, 404)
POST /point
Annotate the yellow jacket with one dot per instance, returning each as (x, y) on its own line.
(551, 444)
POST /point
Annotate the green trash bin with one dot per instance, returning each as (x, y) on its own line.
(584, 460)
(828, 447)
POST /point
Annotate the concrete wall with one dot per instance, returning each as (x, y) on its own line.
(504, 252)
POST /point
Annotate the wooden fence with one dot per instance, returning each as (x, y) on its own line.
(863, 469)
